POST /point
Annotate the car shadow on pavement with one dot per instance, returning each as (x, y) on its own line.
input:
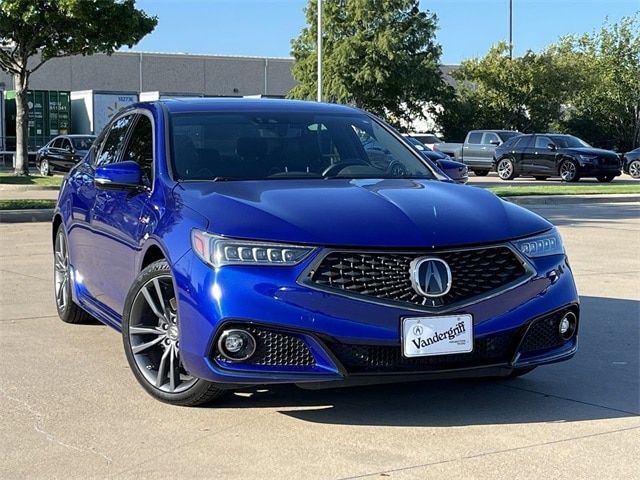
(600, 382)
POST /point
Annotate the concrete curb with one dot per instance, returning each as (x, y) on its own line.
(572, 199)
(27, 215)
(8, 187)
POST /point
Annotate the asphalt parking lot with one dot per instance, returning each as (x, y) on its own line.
(70, 407)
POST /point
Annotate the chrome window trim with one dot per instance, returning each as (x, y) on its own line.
(304, 279)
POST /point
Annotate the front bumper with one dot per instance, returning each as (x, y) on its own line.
(352, 341)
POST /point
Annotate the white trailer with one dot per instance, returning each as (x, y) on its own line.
(91, 110)
(153, 96)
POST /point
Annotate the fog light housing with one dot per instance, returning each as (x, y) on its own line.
(567, 325)
(236, 345)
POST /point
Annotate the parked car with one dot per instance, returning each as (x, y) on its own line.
(428, 139)
(62, 153)
(456, 171)
(547, 155)
(237, 242)
(478, 149)
(631, 163)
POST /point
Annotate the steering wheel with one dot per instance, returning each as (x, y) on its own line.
(336, 168)
(397, 169)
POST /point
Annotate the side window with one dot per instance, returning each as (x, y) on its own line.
(140, 146)
(490, 137)
(57, 143)
(475, 138)
(523, 141)
(66, 144)
(112, 145)
(542, 142)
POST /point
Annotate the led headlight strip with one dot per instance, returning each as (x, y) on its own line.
(548, 243)
(220, 251)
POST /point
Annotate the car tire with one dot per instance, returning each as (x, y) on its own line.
(506, 169)
(481, 173)
(541, 179)
(605, 178)
(68, 310)
(45, 170)
(634, 169)
(569, 171)
(151, 334)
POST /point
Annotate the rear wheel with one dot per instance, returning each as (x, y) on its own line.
(506, 169)
(605, 178)
(481, 173)
(569, 171)
(68, 311)
(151, 337)
(634, 169)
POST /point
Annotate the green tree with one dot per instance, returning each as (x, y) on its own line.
(524, 93)
(605, 108)
(379, 55)
(59, 28)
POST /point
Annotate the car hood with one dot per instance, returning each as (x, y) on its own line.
(591, 151)
(372, 213)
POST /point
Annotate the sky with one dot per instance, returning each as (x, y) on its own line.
(467, 28)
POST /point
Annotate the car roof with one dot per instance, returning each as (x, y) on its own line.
(77, 135)
(177, 105)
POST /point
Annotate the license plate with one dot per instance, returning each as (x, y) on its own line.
(446, 335)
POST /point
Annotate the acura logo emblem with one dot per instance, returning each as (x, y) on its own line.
(430, 276)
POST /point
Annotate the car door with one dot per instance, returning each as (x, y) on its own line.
(67, 155)
(543, 158)
(54, 155)
(522, 151)
(472, 149)
(116, 223)
(490, 142)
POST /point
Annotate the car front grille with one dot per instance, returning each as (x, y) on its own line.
(543, 333)
(275, 348)
(387, 276)
(388, 359)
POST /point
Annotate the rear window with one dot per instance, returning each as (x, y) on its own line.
(507, 135)
(475, 137)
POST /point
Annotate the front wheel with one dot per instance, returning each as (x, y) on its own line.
(634, 169)
(506, 169)
(569, 171)
(151, 337)
(481, 173)
(605, 178)
(45, 171)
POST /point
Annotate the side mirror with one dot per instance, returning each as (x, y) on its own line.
(552, 146)
(495, 142)
(125, 175)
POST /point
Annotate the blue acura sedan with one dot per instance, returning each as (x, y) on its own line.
(246, 242)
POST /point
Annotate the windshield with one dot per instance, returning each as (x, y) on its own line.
(568, 141)
(507, 135)
(249, 146)
(82, 143)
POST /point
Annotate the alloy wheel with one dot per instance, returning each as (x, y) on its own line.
(61, 271)
(505, 169)
(634, 169)
(154, 333)
(44, 168)
(568, 171)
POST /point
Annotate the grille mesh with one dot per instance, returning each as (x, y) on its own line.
(276, 349)
(387, 275)
(377, 358)
(543, 334)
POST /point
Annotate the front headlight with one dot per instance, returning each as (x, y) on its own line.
(220, 251)
(548, 243)
(588, 158)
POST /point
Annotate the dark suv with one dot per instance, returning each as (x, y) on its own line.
(547, 155)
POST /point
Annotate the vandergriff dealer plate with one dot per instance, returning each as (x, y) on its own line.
(426, 336)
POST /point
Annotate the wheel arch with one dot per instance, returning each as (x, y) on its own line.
(152, 253)
(56, 222)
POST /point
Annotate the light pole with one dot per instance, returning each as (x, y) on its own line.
(319, 50)
(511, 29)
